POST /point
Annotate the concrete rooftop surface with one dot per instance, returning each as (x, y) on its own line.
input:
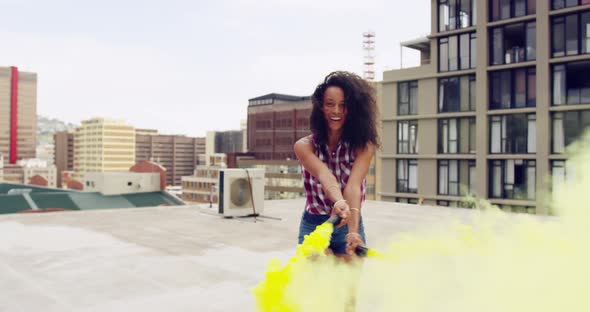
(185, 258)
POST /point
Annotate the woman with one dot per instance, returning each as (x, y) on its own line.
(335, 158)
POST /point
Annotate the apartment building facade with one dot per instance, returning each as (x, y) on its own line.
(177, 153)
(499, 95)
(18, 114)
(275, 123)
(103, 145)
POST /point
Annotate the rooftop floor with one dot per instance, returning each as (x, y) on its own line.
(184, 258)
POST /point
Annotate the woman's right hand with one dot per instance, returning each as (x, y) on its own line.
(342, 209)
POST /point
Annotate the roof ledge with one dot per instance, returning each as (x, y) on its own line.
(421, 44)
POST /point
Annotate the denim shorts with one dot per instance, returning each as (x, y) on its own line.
(338, 242)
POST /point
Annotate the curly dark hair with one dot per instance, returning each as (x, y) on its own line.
(360, 125)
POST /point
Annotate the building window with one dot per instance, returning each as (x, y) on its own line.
(407, 176)
(456, 204)
(407, 137)
(503, 9)
(456, 136)
(514, 88)
(570, 34)
(513, 134)
(562, 171)
(457, 52)
(407, 99)
(456, 94)
(513, 43)
(454, 177)
(571, 83)
(518, 209)
(444, 203)
(371, 169)
(456, 14)
(513, 179)
(560, 4)
(567, 128)
(405, 200)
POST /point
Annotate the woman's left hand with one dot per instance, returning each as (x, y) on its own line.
(353, 240)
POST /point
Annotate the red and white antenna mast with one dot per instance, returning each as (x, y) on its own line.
(369, 57)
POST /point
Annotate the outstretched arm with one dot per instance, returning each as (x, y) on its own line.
(305, 153)
(352, 194)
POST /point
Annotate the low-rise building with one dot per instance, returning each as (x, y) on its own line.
(11, 173)
(143, 185)
(38, 168)
(15, 198)
(282, 178)
(110, 183)
(29, 171)
(201, 187)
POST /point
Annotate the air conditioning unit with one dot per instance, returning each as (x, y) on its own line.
(241, 192)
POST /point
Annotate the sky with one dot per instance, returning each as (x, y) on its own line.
(187, 67)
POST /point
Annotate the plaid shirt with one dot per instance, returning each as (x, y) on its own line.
(340, 164)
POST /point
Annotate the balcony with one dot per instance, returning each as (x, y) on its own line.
(505, 9)
(456, 14)
(512, 179)
(513, 88)
(561, 4)
(571, 83)
(513, 43)
(570, 34)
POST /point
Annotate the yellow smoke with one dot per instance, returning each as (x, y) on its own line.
(503, 262)
(275, 292)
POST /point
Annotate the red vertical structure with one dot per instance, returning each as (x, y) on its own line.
(13, 115)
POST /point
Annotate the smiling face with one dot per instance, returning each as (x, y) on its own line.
(334, 108)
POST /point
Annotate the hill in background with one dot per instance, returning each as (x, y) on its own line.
(46, 127)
